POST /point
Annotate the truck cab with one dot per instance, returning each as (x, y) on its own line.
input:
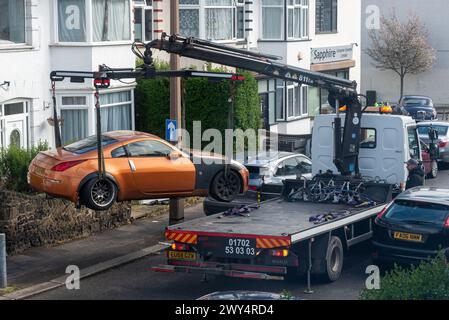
(387, 142)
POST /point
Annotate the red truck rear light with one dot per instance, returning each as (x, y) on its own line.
(176, 246)
(446, 223)
(443, 144)
(63, 166)
(279, 253)
(384, 210)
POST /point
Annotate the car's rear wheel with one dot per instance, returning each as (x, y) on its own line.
(98, 194)
(434, 172)
(225, 187)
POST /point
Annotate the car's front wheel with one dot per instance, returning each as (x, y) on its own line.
(98, 194)
(225, 187)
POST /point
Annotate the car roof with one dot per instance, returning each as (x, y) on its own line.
(263, 158)
(434, 123)
(417, 97)
(426, 194)
(124, 135)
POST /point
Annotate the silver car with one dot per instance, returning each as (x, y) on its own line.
(443, 136)
(271, 168)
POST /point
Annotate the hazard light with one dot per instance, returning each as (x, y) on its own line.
(176, 246)
(279, 253)
(386, 109)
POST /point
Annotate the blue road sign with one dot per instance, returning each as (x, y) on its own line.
(170, 130)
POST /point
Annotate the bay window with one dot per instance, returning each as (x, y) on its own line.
(74, 112)
(212, 19)
(93, 20)
(272, 19)
(12, 21)
(143, 20)
(116, 111)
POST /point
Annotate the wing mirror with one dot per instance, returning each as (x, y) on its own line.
(174, 155)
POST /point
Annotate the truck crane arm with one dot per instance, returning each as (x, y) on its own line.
(342, 92)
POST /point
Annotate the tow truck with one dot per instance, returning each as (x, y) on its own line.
(358, 163)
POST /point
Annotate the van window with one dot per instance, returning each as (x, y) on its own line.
(368, 139)
(413, 143)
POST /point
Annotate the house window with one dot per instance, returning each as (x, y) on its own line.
(272, 19)
(72, 20)
(12, 21)
(111, 20)
(143, 21)
(116, 111)
(295, 101)
(326, 16)
(297, 19)
(74, 112)
(212, 19)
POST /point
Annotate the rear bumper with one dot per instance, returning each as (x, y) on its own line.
(227, 270)
(392, 254)
(53, 186)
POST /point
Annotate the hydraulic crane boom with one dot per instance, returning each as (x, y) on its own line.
(342, 92)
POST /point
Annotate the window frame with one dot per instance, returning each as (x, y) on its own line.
(375, 139)
(11, 44)
(318, 27)
(109, 105)
(128, 152)
(144, 7)
(303, 7)
(85, 107)
(89, 36)
(201, 7)
(283, 22)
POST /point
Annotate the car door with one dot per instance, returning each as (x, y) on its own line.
(154, 172)
(286, 169)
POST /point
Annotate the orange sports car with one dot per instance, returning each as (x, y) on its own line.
(138, 166)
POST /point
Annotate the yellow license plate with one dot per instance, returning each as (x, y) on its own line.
(408, 236)
(180, 255)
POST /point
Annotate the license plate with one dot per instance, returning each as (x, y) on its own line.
(408, 236)
(180, 255)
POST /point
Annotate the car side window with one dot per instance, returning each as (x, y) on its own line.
(288, 167)
(119, 153)
(148, 148)
(305, 165)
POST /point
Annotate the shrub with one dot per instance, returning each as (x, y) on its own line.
(427, 281)
(14, 163)
(203, 101)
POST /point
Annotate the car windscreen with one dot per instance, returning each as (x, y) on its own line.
(424, 130)
(88, 144)
(413, 102)
(417, 212)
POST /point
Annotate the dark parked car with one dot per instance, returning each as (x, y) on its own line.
(443, 137)
(419, 107)
(413, 227)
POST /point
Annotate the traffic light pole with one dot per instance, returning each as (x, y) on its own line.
(177, 204)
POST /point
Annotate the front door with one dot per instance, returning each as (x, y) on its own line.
(15, 125)
(155, 173)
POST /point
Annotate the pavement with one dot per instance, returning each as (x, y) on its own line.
(39, 269)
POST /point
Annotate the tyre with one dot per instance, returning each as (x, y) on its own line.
(225, 188)
(434, 172)
(98, 194)
(334, 259)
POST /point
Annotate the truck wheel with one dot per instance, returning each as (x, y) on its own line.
(98, 194)
(434, 172)
(225, 188)
(334, 259)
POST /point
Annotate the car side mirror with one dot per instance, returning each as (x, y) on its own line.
(174, 155)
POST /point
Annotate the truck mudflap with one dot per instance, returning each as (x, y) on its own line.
(230, 270)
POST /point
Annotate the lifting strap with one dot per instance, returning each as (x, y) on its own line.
(101, 165)
(58, 142)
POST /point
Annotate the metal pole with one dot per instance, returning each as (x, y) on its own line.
(176, 205)
(309, 271)
(3, 279)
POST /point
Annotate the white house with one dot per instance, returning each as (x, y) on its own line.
(322, 35)
(38, 36)
(386, 84)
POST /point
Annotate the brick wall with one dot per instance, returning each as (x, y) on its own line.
(32, 220)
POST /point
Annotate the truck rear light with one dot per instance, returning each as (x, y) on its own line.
(63, 166)
(176, 246)
(279, 253)
(384, 210)
(442, 144)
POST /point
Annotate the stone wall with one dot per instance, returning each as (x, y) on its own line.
(33, 220)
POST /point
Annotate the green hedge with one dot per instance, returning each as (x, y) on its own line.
(203, 101)
(427, 281)
(14, 162)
